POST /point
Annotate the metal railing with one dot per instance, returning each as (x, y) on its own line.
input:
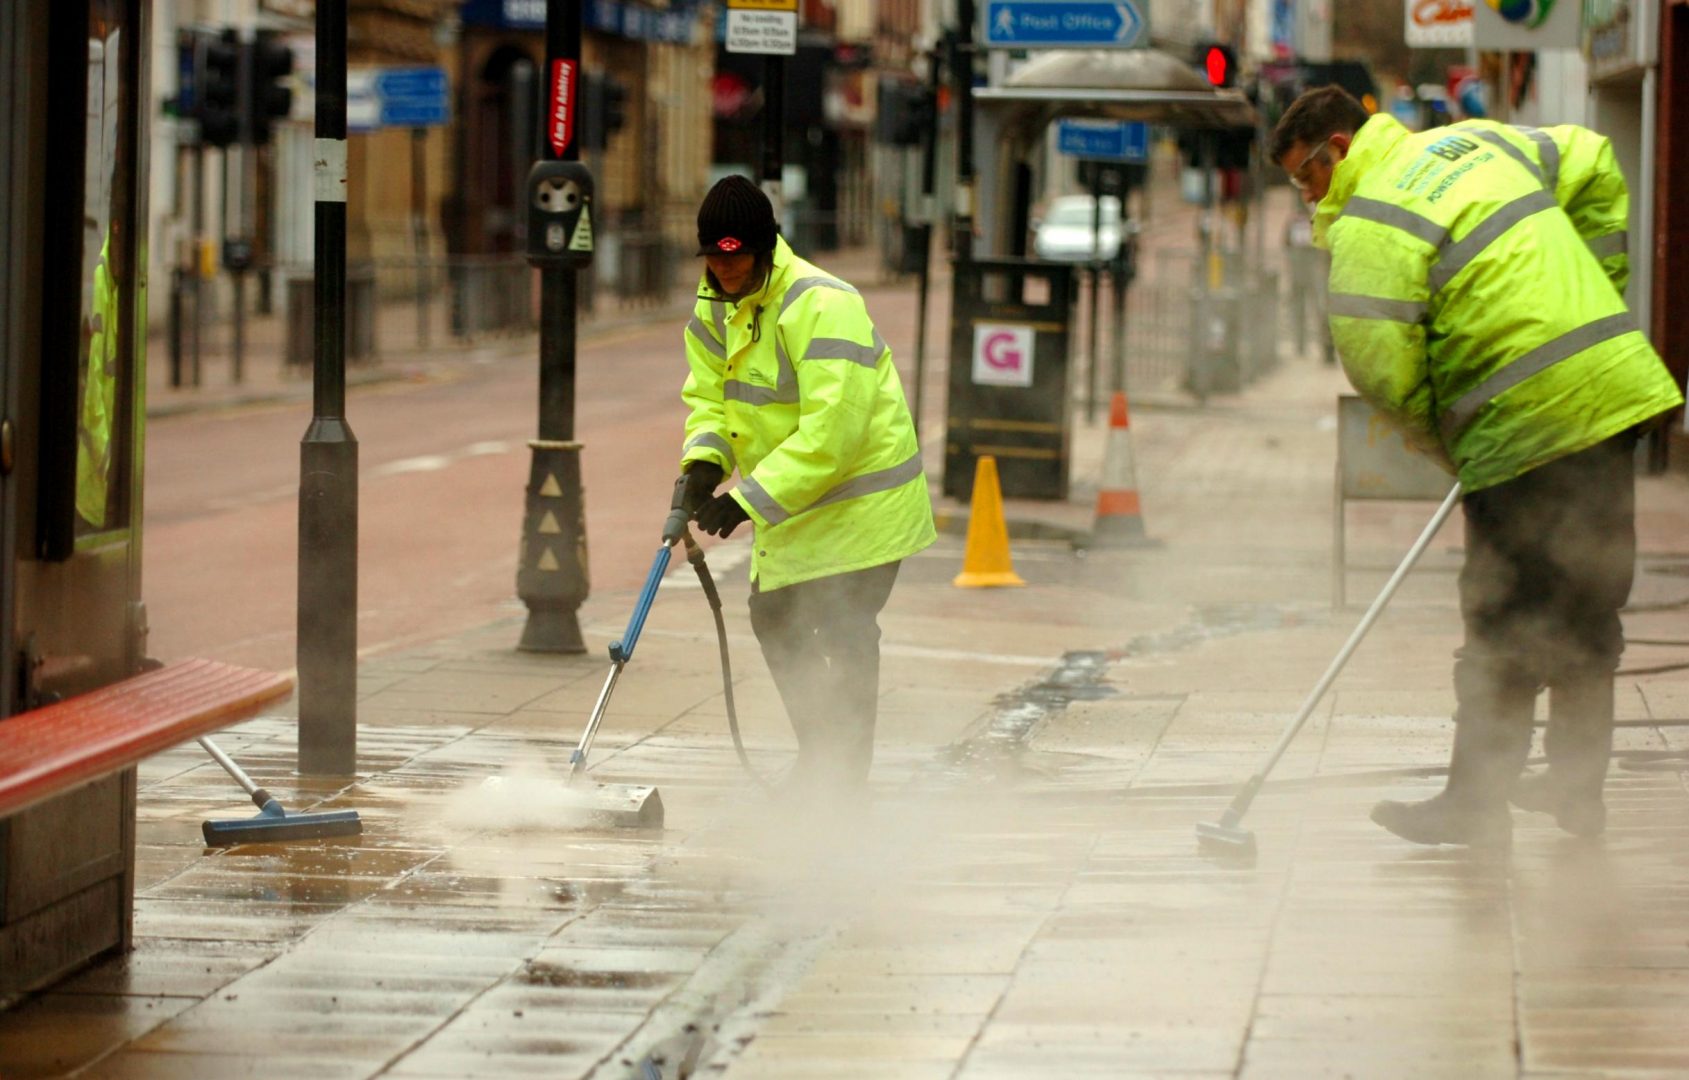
(407, 303)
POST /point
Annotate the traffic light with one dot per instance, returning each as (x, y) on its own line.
(903, 113)
(602, 110)
(1218, 62)
(217, 97)
(615, 105)
(268, 98)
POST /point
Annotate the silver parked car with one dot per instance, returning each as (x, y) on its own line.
(1064, 234)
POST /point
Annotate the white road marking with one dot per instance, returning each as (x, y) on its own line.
(437, 462)
(425, 463)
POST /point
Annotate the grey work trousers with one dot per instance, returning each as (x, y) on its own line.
(821, 640)
(1550, 557)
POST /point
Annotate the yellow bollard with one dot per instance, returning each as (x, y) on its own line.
(986, 562)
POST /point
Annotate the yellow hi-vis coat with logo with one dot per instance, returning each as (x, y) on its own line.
(793, 387)
(1475, 293)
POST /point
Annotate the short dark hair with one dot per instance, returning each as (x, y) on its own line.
(1315, 117)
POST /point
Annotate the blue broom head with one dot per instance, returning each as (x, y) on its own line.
(275, 825)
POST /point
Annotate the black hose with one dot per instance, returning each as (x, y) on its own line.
(695, 556)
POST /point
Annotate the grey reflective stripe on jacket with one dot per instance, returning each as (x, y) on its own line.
(803, 285)
(711, 344)
(1359, 306)
(712, 441)
(1539, 359)
(825, 348)
(1453, 258)
(1503, 143)
(867, 484)
(1548, 150)
(1605, 247)
(1397, 218)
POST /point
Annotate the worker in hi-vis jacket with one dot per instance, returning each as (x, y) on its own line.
(792, 387)
(1476, 300)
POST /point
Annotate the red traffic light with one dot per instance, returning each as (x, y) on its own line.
(1217, 64)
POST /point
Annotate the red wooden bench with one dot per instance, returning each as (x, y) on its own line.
(67, 865)
(50, 750)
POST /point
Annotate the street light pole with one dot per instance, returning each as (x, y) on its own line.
(328, 454)
(962, 72)
(551, 575)
(774, 132)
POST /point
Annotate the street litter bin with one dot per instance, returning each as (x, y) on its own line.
(1010, 334)
(301, 346)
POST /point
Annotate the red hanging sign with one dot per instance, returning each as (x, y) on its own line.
(560, 120)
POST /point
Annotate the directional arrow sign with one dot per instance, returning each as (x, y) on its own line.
(1065, 24)
(378, 97)
(1104, 140)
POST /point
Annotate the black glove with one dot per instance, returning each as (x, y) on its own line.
(721, 515)
(702, 478)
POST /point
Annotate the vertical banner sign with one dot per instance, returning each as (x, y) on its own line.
(560, 119)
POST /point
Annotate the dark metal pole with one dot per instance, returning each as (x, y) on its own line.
(1094, 362)
(551, 575)
(195, 276)
(419, 230)
(774, 132)
(962, 74)
(328, 458)
(239, 359)
(1120, 278)
(929, 178)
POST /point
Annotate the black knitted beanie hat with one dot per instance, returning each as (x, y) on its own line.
(736, 216)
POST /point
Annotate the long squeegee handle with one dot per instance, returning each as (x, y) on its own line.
(260, 797)
(1247, 794)
(622, 651)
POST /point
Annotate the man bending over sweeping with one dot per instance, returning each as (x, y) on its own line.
(1477, 277)
(792, 386)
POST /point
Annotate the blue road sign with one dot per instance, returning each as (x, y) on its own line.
(396, 98)
(1065, 24)
(424, 82)
(1103, 140)
(413, 112)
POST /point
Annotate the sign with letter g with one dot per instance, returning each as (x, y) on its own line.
(1002, 354)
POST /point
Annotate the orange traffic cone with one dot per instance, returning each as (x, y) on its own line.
(986, 561)
(1120, 518)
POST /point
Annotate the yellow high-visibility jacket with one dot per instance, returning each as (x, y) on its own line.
(1475, 296)
(99, 397)
(794, 388)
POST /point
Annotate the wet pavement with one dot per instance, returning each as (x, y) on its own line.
(1022, 896)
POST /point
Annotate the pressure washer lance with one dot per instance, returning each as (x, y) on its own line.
(621, 650)
(1225, 837)
(272, 822)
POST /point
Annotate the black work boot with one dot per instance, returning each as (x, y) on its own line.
(1492, 738)
(1447, 818)
(1578, 742)
(1576, 808)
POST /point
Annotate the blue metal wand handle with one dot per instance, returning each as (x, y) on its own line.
(621, 651)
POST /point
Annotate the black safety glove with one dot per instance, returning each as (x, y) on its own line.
(702, 478)
(721, 515)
